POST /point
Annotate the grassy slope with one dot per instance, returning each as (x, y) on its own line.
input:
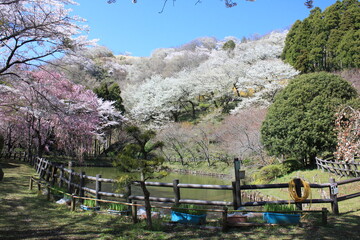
(25, 215)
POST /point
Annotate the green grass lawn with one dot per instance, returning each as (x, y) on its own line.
(317, 176)
(27, 215)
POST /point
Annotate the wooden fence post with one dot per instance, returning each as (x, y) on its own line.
(53, 173)
(224, 219)
(73, 202)
(235, 205)
(128, 194)
(39, 186)
(298, 185)
(31, 183)
(237, 183)
(44, 170)
(98, 188)
(48, 168)
(48, 192)
(61, 180)
(333, 195)
(70, 180)
(355, 170)
(134, 212)
(82, 185)
(324, 216)
(238, 193)
(176, 191)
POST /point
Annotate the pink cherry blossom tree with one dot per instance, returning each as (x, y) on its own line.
(48, 111)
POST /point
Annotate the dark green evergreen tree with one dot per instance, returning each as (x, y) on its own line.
(110, 92)
(229, 45)
(325, 41)
(300, 122)
(139, 155)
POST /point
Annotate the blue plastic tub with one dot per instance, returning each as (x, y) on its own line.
(281, 218)
(187, 218)
(87, 208)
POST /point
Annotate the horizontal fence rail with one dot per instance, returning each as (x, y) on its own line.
(55, 173)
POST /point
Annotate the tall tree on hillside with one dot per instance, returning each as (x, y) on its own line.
(325, 40)
(32, 31)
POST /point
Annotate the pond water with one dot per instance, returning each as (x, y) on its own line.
(198, 194)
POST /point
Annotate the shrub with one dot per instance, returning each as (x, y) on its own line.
(300, 122)
(293, 164)
(269, 173)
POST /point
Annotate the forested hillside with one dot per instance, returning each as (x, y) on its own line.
(229, 79)
(180, 83)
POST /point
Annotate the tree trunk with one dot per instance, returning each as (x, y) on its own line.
(147, 204)
(193, 111)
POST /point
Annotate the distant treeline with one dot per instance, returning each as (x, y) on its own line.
(326, 41)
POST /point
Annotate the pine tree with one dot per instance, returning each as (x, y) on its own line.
(138, 156)
(110, 93)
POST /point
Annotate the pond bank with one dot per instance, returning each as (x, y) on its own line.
(201, 173)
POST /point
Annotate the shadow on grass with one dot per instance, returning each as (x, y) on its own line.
(345, 226)
(8, 165)
(35, 218)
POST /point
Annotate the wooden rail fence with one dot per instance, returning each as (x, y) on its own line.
(75, 182)
(339, 168)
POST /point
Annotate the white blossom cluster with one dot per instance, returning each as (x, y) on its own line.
(253, 69)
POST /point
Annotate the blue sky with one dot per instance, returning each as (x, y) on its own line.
(140, 29)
